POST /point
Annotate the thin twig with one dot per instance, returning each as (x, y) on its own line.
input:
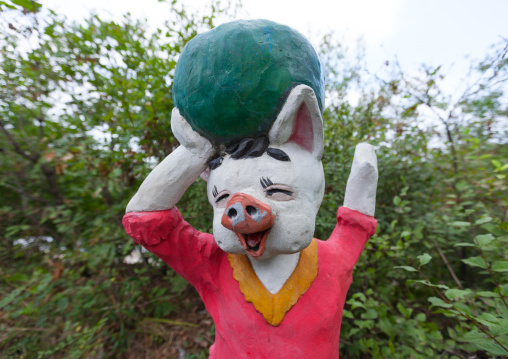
(18, 329)
(169, 321)
(450, 269)
(447, 351)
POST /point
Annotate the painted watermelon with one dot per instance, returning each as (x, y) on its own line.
(231, 82)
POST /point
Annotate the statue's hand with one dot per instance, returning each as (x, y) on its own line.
(188, 138)
(362, 181)
(168, 181)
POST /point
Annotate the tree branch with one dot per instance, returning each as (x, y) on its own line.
(50, 174)
(20, 191)
(17, 148)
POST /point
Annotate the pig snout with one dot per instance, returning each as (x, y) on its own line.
(245, 214)
(251, 221)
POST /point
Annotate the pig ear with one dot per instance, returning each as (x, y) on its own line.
(300, 122)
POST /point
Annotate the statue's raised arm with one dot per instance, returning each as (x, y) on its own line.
(362, 182)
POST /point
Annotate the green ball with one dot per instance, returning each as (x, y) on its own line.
(231, 82)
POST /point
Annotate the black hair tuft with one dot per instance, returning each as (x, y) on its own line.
(277, 154)
(248, 147)
(215, 163)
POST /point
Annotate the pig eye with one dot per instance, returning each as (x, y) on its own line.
(221, 198)
(280, 192)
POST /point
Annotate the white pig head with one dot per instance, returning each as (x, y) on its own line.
(266, 191)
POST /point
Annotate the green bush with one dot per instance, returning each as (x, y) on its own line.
(84, 116)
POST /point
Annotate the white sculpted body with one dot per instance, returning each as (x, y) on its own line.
(293, 189)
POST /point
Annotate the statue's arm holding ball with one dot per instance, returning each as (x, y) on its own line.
(152, 219)
(167, 183)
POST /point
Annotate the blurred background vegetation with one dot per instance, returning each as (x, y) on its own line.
(85, 114)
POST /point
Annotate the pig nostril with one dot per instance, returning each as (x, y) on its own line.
(251, 210)
(231, 213)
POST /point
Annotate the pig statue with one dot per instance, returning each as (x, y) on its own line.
(272, 289)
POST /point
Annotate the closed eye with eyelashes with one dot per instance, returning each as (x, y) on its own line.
(277, 191)
(272, 191)
(223, 196)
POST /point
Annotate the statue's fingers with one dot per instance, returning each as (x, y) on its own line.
(364, 153)
(187, 137)
(181, 128)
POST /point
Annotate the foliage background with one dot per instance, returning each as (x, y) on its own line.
(84, 115)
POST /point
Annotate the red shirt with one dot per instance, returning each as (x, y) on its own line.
(310, 329)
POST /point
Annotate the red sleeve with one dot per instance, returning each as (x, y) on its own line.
(352, 232)
(192, 254)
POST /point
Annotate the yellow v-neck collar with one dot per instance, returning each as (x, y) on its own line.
(274, 307)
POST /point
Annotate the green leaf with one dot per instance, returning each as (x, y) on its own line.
(483, 220)
(117, 172)
(409, 269)
(462, 185)
(347, 314)
(453, 294)
(461, 224)
(406, 312)
(353, 331)
(396, 200)
(405, 234)
(371, 313)
(355, 304)
(27, 4)
(500, 266)
(464, 244)
(424, 259)
(483, 342)
(448, 312)
(502, 168)
(387, 327)
(496, 163)
(487, 318)
(441, 286)
(360, 296)
(475, 262)
(421, 317)
(464, 308)
(9, 6)
(487, 294)
(364, 324)
(438, 302)
(484, 239)
(178, 284)
(12, 296)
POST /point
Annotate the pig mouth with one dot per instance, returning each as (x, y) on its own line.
(254, 243)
